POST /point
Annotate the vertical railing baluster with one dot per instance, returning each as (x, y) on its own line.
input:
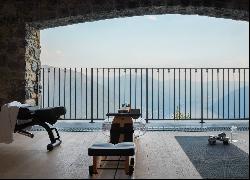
(201, 96)
(59, 89)
(179, 93)
(195, 94)
(97, 93)
(212, 93)
(174, 93)
(91, 96)
(130, 91)
(190, 95)
(86, 100)
(43, 87)
(108, 89)
(125, 86)
(158, 93)
(141, 93)
(64, 88)
(103, 93)
(239, 94)
(223, 94)
(185, 71)
(218, 93)
(70, 93)
(218, 86)
(48, 85)
(152, 98)
(75, 93)
(163, 93)
(54, 85)
(244, 99)
(207, 92)
(234, 91)
(228, 97)
(114, 90)
(147, 95)
(119, 88)
(135, 85)
(169, 94)
(81, 94)
(38, 88)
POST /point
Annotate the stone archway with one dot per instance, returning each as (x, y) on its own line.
(21, 21)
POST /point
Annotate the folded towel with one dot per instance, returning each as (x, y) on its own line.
(8, 120)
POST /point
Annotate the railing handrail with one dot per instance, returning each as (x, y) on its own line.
(145, 67)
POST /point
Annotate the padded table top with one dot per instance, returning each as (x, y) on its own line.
(109, 149)
(123, 114)
(49, 113)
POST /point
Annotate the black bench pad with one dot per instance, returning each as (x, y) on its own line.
(109, 149)
(49, 114)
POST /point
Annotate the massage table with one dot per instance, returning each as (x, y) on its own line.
(33, 115)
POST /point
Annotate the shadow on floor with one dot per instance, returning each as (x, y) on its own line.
(215, 161)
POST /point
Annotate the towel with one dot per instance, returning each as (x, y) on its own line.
(8, 120)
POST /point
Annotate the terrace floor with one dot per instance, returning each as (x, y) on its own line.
(160, 154)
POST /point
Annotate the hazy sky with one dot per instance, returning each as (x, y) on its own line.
(148, 41)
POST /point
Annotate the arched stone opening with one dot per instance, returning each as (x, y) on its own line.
(21, 21)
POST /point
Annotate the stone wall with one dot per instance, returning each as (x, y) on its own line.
(32, 64)
(19, 63)
(12, 63)
(21, 20)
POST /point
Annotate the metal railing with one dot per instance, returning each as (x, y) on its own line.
(160, 93)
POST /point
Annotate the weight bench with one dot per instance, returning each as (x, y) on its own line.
(100, 151)
(32, 115)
